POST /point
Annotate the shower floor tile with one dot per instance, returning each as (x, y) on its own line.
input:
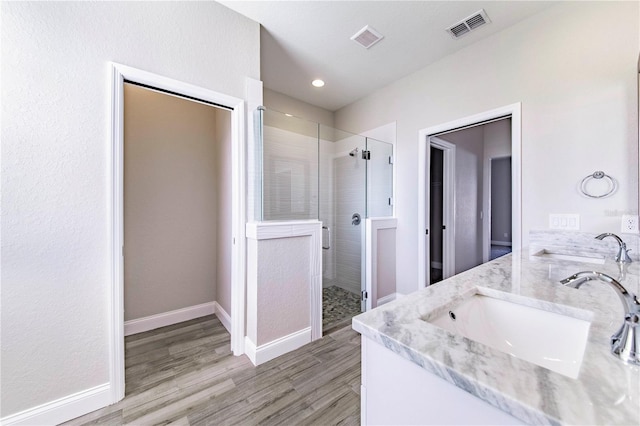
(338, 307)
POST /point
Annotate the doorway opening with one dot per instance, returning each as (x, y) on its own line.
(469, 199)
(234, 245)
(177, 222)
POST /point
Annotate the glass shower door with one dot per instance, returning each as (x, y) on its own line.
(342, 212)
(289, 167)
(379, 178)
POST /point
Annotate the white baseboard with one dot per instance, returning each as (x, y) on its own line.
(390, 298)
(63, 409)
(268, 351)
(223, 316)
(501, 243)
(168, 318)
(250, 349)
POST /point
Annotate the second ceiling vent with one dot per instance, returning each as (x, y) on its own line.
(469, 24)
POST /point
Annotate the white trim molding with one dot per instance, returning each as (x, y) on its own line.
(118, 74)
(448, 204)
(513, 111)
(257, 231)
(263, 353)
(164, 319)
(63, 409)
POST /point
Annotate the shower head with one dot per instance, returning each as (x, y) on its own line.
(353, 152)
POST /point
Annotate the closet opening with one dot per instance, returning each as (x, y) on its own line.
(177, 225)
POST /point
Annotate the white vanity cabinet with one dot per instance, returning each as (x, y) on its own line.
(395, 391)
(417, 372)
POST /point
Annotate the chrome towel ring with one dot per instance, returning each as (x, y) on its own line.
(598, 175)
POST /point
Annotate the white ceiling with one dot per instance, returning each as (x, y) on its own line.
(305, 40)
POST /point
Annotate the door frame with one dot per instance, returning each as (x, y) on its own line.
(118, 73)
(448, 204)
(424, 136)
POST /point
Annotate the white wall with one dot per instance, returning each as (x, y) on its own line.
(55, 163)
(574, 68)
(286, 104)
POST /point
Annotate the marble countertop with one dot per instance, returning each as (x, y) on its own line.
(607, 391)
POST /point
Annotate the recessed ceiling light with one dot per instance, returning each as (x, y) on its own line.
(317, 83)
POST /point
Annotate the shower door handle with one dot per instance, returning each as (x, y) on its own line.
(355, 219)
(329, 232)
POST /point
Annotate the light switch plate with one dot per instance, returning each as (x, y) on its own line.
(565, 222)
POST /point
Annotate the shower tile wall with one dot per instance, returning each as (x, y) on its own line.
(290, 175)
(327, 151)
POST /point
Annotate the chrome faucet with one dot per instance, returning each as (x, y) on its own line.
(625, 343)
(622, 256)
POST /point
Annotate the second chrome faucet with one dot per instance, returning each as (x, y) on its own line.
(625, 343)
(622, 256)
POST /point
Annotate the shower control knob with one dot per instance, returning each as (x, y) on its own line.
(355, 219)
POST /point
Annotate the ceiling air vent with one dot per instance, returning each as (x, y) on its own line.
(469, 24)
(367, 37)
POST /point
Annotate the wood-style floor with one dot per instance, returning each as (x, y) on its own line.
(185, 374)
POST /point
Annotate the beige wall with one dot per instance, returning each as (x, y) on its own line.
(386, 263)
(284, 289)
(171, 185)
(574, 69)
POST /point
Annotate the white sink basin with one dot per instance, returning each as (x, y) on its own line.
(546, 254)
(548, 339)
